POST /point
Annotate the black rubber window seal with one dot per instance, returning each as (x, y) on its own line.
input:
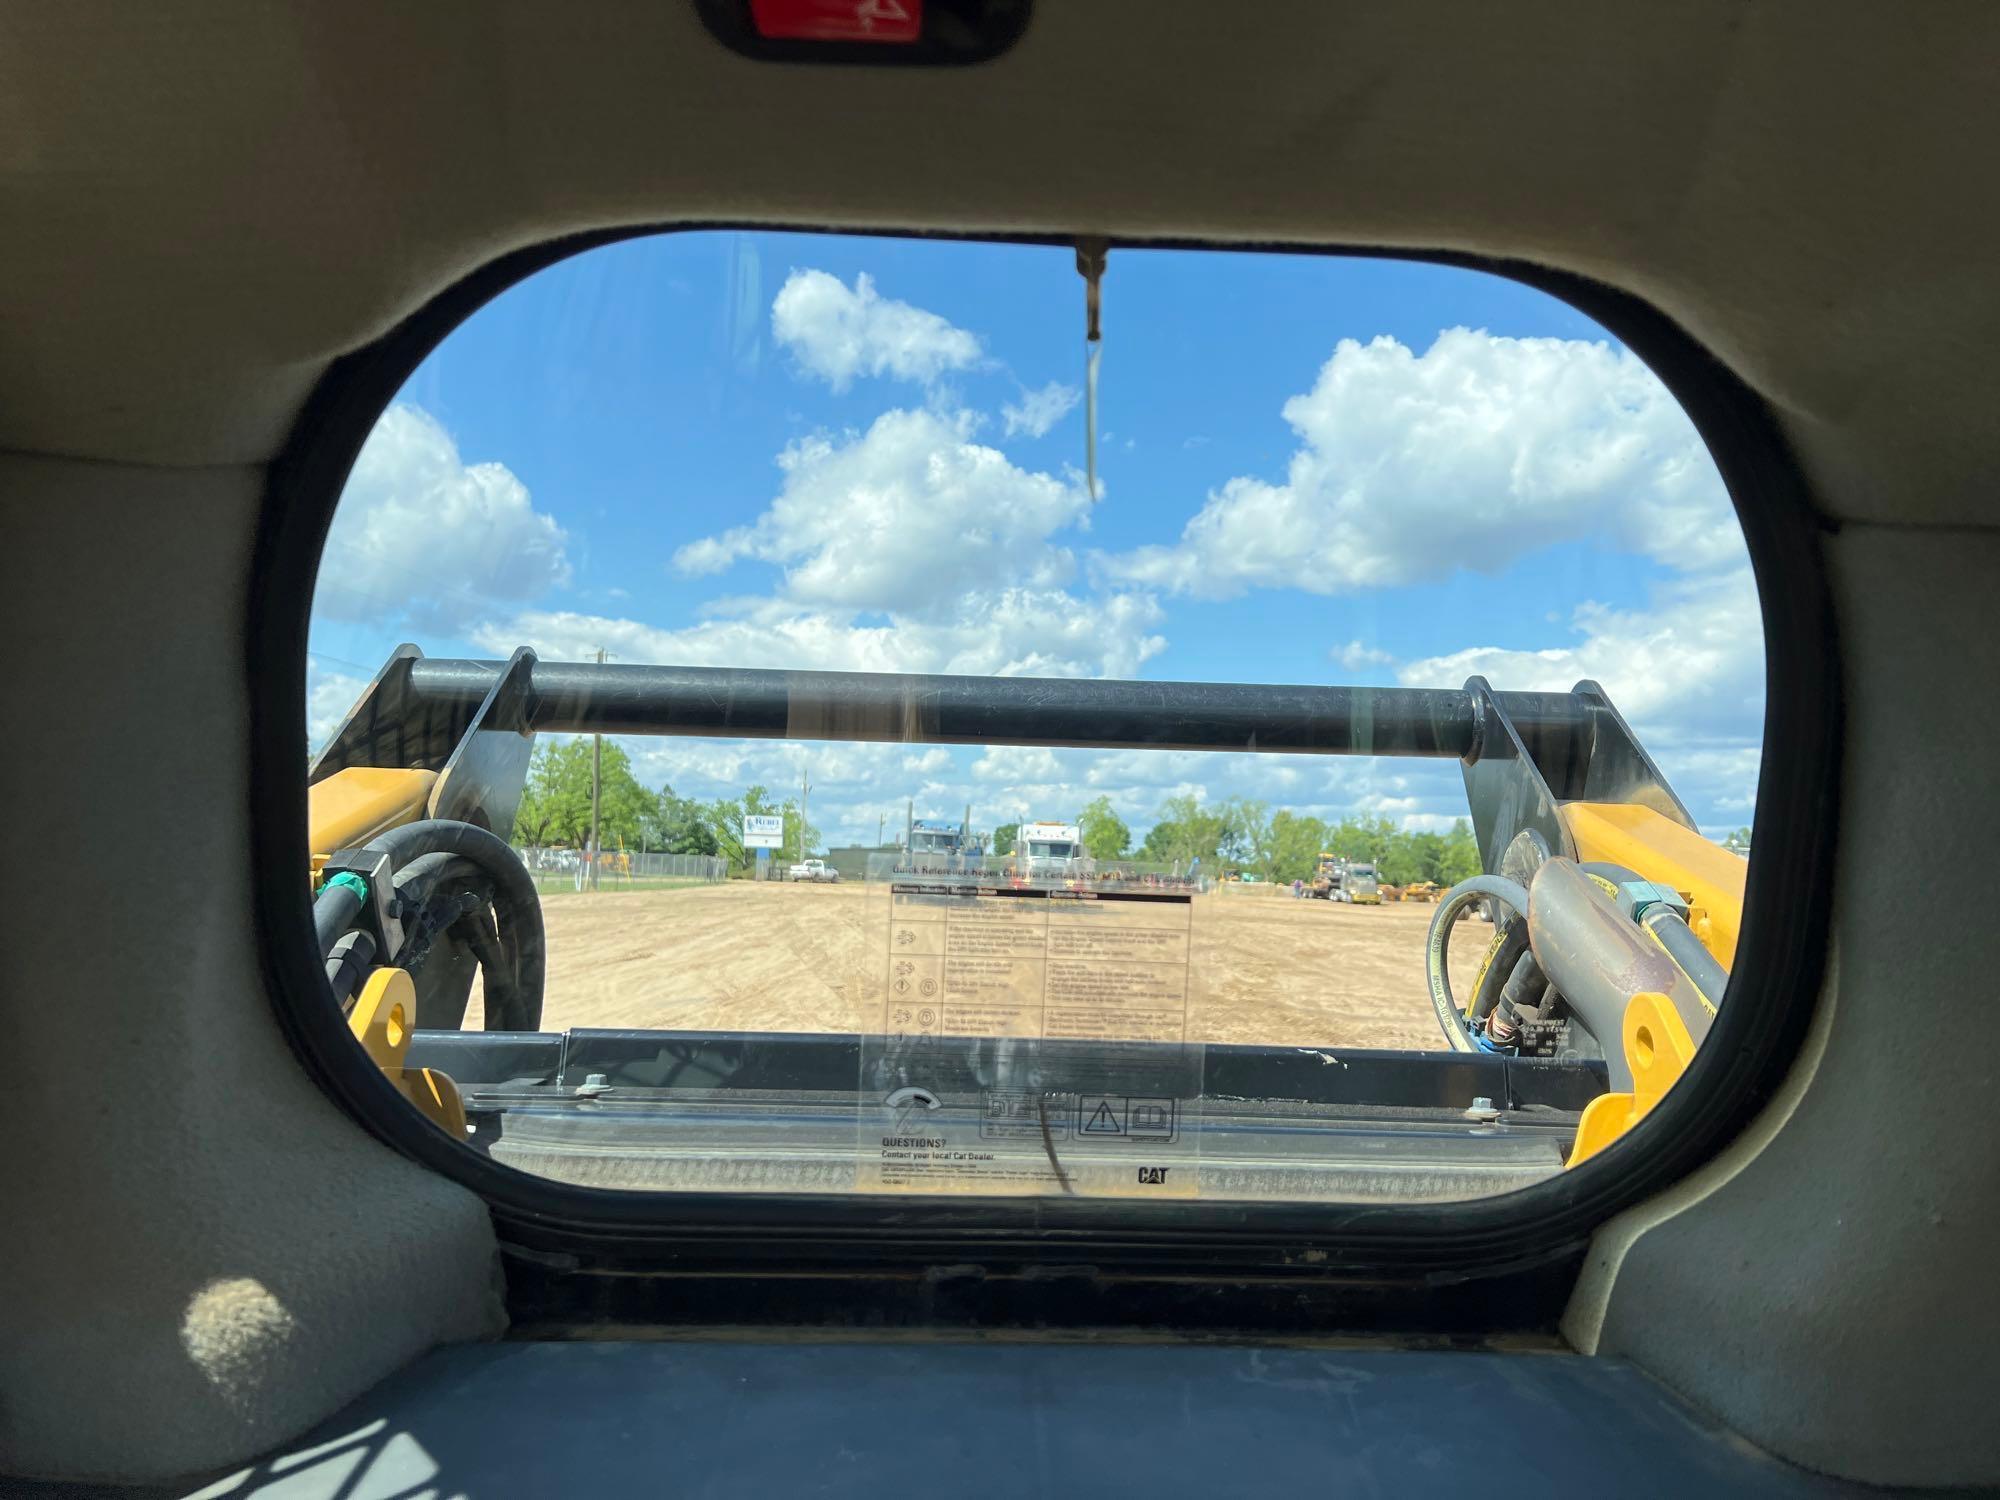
(1774, 989)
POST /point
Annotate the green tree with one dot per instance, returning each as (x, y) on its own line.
(1400, 863)
(534, 819)
(1184, 830)
(1245, 830)
(1003, 838)
(724, 818)
(678, 825)
(1105, 835)
(1461, 855)
(1284, 845)
(801, 837)
(1361, 838)
(1291, 846)
(1172, 837)
(1428, 849)
(555, 804)
(725, 822)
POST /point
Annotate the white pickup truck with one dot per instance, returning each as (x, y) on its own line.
(817, 870)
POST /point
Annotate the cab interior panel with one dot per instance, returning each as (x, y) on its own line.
(233, 228)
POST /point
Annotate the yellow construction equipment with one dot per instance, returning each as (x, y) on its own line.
(1325, 874)
(1615, 921)
(416, 889)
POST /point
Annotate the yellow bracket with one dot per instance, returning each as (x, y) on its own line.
(1710, 879)
(1708, 875)
(381, 1023)
(1658, 1050)
(352, 806)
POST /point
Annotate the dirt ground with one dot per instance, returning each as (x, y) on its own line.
(746, 957)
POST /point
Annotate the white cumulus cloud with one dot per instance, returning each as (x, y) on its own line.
(1470, 455)
(837, 332)
(329, 698)
(910, 546)
(908, 516)
(1040, 410)
(1691, 663)
(1017, 764)
(1013, 633)
(1358, 654)
(422, 538)
(1687, 673)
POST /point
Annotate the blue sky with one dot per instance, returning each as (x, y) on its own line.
(804, 450)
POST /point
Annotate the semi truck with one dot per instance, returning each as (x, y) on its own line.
(931, 836)
(933, 843)
(1048, 850)
(1358, 885)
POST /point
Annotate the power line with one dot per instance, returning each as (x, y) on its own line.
(352, 666)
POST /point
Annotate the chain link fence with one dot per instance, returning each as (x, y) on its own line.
(619, 870)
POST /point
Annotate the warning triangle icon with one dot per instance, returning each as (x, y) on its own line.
(1103, 1122)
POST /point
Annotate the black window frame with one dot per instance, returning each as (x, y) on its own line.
(1473, 1267)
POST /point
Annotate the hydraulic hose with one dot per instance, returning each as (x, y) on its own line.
(416, 881)
(347, 966)
(1598, 958)
(1523, 990)
(425, 857)
(506, 1005)
(1510, 944)
(1672, 932)
(517, 910)
(1686, 950)
(335, 908)
(420, 886)
(1616, 874)
(1438, 947)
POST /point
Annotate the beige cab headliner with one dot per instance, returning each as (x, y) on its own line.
(206, 202)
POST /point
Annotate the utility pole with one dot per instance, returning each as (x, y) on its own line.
(596, 789)
(805, 805)
(881, 820)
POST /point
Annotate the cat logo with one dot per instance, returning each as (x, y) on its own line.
(1154, 1174)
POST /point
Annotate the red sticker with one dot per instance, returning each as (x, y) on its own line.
(839, 20)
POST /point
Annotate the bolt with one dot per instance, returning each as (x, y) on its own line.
(1482, 1110)
(593, 1085)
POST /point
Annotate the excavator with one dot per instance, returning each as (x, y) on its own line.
(1616, 920)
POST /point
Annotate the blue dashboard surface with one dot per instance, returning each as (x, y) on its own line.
(1070, 1420)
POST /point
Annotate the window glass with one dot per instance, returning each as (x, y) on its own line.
(791, 713)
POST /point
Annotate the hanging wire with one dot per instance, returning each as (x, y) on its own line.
(1091, 254)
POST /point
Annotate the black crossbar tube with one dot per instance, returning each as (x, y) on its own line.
(1091, 713)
